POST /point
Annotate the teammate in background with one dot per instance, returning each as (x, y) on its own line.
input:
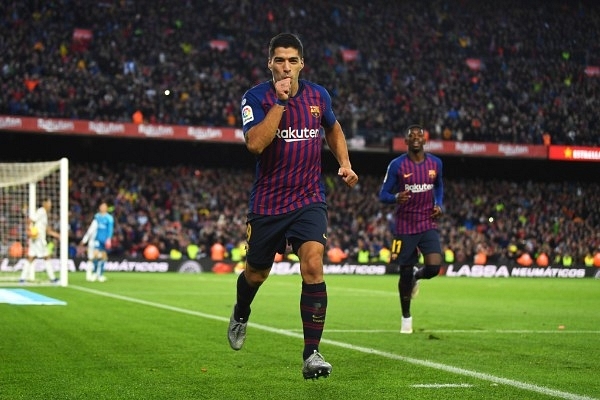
(282, 120)
(414, 183)
(38, 246)
(98, 237)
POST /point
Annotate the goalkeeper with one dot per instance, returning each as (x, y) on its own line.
(98, 237)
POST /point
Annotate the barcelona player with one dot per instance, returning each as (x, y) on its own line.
(283, 123)
(414, 184)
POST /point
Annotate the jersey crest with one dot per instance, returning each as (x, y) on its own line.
(315, 111)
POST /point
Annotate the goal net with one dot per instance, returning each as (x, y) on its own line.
(24, 188)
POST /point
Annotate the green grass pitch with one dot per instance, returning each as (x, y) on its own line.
(163, 336)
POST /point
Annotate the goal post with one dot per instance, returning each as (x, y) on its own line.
(23, 188)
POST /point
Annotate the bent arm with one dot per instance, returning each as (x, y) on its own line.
(262, 134)
(438, 188)
(389, 189)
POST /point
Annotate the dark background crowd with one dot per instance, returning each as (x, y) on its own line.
(172, 206)
(411, 67)
(527, 75)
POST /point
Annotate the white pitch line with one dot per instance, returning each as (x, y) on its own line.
(508, 331)
(441, 385)
(423, 363)
(465, 372)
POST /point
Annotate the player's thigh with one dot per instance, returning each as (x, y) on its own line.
(37, 249)
(101, 251)
(309, 225)
(430, 246)
(265, 235)
(404, 249)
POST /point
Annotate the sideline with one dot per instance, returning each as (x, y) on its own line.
(424, 363)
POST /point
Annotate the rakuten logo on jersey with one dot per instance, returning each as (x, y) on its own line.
(295, 135)
(419, 187)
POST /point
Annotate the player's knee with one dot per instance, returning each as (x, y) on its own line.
(256, 276)
(406, 272)
(311, 272)
(430, 271)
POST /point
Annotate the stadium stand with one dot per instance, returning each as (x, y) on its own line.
(507, 71)
(173, 206)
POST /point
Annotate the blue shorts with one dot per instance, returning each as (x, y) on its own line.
(100, 245)
(270, 234)
(405, 248)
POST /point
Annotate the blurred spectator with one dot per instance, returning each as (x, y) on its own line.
(182, 205)
(520, 72)
(137, 117)
(506, 71)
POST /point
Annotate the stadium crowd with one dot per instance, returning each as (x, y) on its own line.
(171, 207)
(509, 71)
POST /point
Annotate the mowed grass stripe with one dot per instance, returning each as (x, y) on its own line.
(290, 333)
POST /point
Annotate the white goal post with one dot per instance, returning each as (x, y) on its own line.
(23, 188)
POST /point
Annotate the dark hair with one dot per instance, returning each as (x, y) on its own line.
(286, 40)
(414, 126)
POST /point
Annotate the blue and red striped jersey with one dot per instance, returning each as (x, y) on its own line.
(425, 182)
(288, 171)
